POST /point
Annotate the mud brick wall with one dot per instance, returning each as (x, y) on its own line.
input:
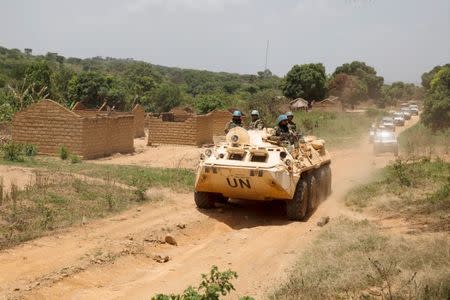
(220, 118)
(196, 131)
(139, 121)
(49, 126)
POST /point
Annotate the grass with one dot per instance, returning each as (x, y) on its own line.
(139, 177)
(418, 191)
(419, 140)
(336, 128)
(353, 260)
(56, 201)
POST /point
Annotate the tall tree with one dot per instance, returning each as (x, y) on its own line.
(307, 81)
(39, 75)
(366, 74)
(436, 112)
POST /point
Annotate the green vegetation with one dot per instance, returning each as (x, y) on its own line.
(353, 260)
(63, 153)
(139, 177)
(27, 78)
(56, 201)
(307, 81)
(12, 152)
(30, 150)
(420, 140)
(436, 110)
(337, 129)
(213, 286)
(417, 191)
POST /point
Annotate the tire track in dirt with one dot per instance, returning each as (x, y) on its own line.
(252, 238)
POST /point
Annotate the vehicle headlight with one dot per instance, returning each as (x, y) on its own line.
(235, 138)
(208, 152)
(283, 154)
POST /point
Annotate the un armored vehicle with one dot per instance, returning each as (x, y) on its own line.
(248, 165)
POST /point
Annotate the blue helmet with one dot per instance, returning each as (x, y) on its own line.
(289, 114)
(281, 118)
(237, 113)
(255, 113)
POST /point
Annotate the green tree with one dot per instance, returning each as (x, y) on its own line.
(307, 81)
(165, 97)
(94, 88)
(39, 74)
(436, 112)
(350, 89)
(366, 74)
(206, 103)
(267, 102)
(428, 76)
(60, 83)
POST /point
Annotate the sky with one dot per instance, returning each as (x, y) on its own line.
(400, 38)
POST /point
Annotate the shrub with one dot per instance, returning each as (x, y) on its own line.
(12, 151)
(213, 285)
(30, 150)
(75, 159)
(63, 153)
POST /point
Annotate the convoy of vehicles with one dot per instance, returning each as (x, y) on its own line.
(382, 135)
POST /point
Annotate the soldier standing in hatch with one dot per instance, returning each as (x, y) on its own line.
(256, 122)
(283, 132)
(291, 124)
(236, 121)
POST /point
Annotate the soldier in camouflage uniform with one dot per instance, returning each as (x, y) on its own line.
(291, 124)
(236, 121)
(256, 122)
(283, 132)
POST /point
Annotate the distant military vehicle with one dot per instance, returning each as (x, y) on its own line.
(250, 166)
(385, 141)
(399, 119)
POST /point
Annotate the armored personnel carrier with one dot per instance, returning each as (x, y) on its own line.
(248, 165)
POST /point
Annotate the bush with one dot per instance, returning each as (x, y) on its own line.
(75, 159)
(213, 285)
(12, 151)
(63, 153)
(30, 150)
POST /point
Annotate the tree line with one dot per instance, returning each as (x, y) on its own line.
(122, 83)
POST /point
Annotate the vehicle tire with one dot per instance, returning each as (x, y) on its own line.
(328, 180)
(313, 182)
(222, 199)
(321, 177)
(204, 200)
(297, 208)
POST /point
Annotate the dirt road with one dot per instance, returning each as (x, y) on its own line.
(113, 258)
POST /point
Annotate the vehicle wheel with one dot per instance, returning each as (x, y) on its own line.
(204, 200)
(321, 177)
(328, 180)
(222, 199)
(297, 207)
(314, 194)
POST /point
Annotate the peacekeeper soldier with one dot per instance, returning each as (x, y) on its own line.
(256, 122)
(283, 132)
(291, 124)
(236, 121)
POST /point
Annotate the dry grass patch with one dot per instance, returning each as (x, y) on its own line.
(354, 260)
(56, 201)
(418, 191)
